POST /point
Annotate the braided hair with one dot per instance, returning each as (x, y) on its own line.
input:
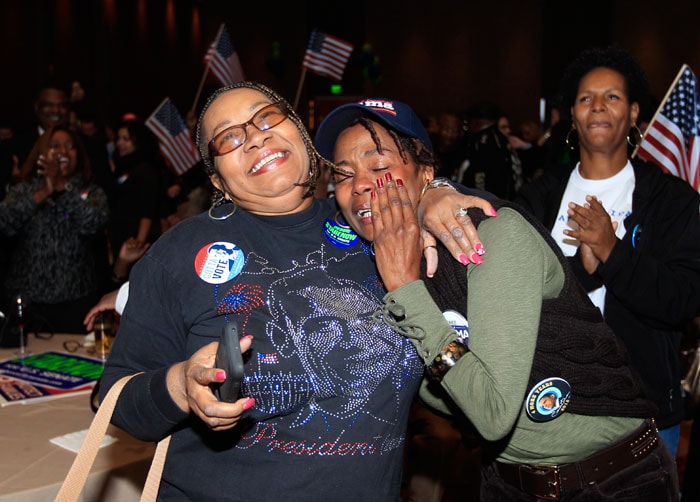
(203, 145)
(414, 148)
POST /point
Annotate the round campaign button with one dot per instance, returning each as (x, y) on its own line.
(548, 399)
(339, 235)
(460, 325)
(219, 262)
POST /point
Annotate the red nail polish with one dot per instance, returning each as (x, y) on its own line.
(380, 183)
(388, 176)
(463, 259)
(493, 212)
(477, 259)
(221, 375)
(250, 402)
(399, 182)
(373, 194)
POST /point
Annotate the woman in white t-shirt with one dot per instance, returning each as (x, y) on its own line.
(631, 231)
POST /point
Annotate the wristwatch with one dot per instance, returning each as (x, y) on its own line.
(437, 183)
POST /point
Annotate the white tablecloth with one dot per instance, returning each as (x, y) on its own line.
(32, 468)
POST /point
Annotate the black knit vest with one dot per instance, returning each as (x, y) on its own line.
(573, 342)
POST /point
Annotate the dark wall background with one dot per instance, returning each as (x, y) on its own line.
(130, 54)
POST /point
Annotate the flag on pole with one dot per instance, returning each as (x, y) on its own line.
(222, 59)
(327, 55)
(174, 139)
(671, 139)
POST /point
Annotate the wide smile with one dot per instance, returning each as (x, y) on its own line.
(266, 162)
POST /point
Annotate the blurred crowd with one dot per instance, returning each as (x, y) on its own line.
(80, 201)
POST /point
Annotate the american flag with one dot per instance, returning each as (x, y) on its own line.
(671, 139)
(222, 59)
(327, 55)
(174, 139)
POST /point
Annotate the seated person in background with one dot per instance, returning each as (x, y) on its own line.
(53, 214)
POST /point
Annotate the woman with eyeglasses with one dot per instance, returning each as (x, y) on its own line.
(52, 215)
(327, 387)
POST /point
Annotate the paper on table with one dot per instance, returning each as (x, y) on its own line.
(74, 440)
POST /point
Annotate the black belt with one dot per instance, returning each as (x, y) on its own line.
(548, 482)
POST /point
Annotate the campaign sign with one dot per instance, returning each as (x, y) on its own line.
(48, 374)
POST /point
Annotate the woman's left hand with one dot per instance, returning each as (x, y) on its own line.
(440, 217)
(594, 231)
(397, 242)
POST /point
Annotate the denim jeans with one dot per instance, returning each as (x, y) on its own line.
(653, 479)
(672, 437)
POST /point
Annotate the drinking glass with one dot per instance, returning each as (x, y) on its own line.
(104, 334)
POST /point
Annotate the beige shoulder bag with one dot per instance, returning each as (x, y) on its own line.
(77, 476)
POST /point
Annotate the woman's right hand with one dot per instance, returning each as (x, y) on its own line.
(189, 385)
(397, 241)
(47, 169)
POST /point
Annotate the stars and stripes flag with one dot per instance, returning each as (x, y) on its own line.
(174, 139)
(222, 59)
(671, 139)
(327, 55)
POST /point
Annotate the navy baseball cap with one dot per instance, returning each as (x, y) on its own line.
(388, 112)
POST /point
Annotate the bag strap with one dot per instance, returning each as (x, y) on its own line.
(77, 476)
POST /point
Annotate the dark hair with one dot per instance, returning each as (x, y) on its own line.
(203, 144)
(142, 138)
(42, 146)
(408, 146)
(614, 58)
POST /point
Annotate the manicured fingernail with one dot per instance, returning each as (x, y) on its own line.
(463, 259)
(493, 212)
(479, 248)
(250, 402)
(221, 375)
(380, 183)
(373, 194)
(388, 176)
(477, 259)
(399, 182)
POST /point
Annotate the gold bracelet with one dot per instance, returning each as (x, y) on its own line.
(446, 359)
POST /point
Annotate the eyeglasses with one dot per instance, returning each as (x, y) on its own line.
(232, 137)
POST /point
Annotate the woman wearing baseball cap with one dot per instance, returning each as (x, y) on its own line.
(531, 332)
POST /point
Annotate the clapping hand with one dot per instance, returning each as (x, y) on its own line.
(594, 231)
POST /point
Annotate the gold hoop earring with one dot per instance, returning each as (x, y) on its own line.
(219, 204)
(639, 136)
(568, 141)
(340, 223)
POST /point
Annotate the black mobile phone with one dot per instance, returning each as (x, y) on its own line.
(229, 359)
